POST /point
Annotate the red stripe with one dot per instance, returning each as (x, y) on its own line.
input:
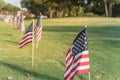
(69, 66)
(81, 57)
(39, 38)
(83, 63)
(38, 35)
(69, 51)
(79, 64)
(25, 44)
(70, 56)
(83, 71)
(27, 34)
(39, 32)
(25, 40)
(78, 71)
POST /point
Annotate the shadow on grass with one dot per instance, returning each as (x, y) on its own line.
(63, 28)
(98, 29)
(14, 42)
(7, 34)
(32, 73)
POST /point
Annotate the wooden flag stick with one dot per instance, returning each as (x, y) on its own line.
(33, 47)
(89, 76)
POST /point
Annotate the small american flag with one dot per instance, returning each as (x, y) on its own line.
(77, 57)
(21, 23)
(38, 29)
(28, 36)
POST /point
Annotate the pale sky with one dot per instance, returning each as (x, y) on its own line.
(14, 2)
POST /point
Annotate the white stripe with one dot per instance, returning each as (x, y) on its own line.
(68, 55)
(25, 38)
(75, 64)
(81, 53)
(38, 35)
(79, 61)
(39, 30)
(69, 61)
(27, 34)
(83, 67)
(79, 68)
(25, 42)
(39, 38)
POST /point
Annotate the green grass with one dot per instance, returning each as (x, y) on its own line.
(58, 34)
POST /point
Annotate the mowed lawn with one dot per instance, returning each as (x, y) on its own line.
(58, 35)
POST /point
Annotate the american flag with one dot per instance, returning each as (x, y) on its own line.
(38, 29)
(77, 57)
(21, 23)
(28, 36)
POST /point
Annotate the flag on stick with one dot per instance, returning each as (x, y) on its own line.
(28, 36)
(38, 29)
(21, 23)
(77, 57)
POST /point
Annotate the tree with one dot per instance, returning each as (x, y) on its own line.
(106, 8)
(109, 4)
(10, 8)
(2, 3)
(34, 6)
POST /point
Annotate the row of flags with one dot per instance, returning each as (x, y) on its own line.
(77, 57)
(28, 35)
(12, 19)
(21, 24)
(16, 20)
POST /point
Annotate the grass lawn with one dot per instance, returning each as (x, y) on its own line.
(58, 35)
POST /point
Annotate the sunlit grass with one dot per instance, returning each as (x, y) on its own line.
(58, 34)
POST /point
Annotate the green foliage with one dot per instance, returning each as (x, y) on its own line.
(61, 8)
(116, 10)
(34, 6)
(77, 11)
(2, 3)
(9, 7)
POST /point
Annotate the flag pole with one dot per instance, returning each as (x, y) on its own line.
(89, 76)
(33, 46)
(88, 72)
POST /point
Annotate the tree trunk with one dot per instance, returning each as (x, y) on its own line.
(69, 10)
(65, 7)
(106, 8)
(110, 7)
(51, 12)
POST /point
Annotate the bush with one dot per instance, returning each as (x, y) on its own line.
(77, 11)
(90, 14)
